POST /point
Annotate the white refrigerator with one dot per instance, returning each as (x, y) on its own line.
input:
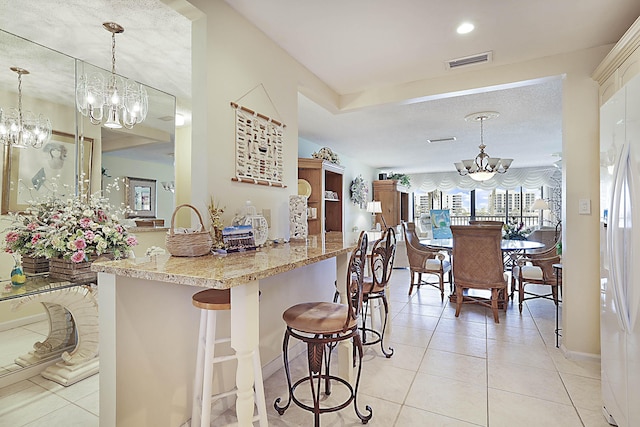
(620, 255)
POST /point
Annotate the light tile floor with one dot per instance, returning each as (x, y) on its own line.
(446, 371)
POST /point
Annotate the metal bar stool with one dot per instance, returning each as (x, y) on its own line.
(210, 302)
(321, 325)
(374, 288)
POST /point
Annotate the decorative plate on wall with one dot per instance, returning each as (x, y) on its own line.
(304, 188)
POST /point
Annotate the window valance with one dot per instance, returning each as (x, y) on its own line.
(514, 178)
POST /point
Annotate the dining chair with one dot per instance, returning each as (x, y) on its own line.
(478, 264)
(374, 288)
(529, 266)
(424, 260)
(538, 269)
(321, 325)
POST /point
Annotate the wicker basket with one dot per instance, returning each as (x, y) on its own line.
(188, 244)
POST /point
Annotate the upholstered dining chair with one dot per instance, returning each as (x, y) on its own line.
(538, 269)
(478, 264)
(374, 287)
(321, 325)
(531, 269)
(424, 260)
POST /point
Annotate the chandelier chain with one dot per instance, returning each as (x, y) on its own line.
(20, 100)
(113, 53)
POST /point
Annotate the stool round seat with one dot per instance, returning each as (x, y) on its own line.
(318, 317)
(371, 286)
(212, 299)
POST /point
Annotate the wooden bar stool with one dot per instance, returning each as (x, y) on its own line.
(210, 302)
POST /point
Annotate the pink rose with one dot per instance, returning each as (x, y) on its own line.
(77, 256)
(35, 238)
(80, 243)
(32, 226)
(89, 235)
(132, 241)
(85, 222)
(11, 237)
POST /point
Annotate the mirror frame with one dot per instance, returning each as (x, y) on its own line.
(130, 185)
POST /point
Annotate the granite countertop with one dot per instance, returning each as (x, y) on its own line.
(226, 271)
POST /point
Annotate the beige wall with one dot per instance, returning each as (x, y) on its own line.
(224, 72)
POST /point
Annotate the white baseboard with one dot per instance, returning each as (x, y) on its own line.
(578, 355)
(27, 320)
(277, 363)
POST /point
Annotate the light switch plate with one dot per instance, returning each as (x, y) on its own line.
(584, 207)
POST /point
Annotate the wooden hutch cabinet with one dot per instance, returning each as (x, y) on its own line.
(324, 177)
(394, 199)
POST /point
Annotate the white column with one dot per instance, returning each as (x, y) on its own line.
(345, 348)
(244, 340)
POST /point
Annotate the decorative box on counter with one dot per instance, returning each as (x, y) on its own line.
(298, 227)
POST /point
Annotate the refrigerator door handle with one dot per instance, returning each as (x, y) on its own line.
(632, 296)
(614, 243)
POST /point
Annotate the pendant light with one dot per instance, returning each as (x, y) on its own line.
(112, 101)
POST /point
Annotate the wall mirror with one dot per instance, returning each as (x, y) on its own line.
(98, 157)
(29, 173)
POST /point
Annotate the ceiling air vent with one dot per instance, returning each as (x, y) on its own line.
(480, 58)
(448, 139)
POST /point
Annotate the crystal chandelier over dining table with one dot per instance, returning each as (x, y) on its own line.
(113, 101)
(483, 167)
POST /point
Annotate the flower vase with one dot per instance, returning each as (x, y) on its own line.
(18, 277)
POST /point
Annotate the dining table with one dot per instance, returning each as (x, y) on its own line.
(512, 250)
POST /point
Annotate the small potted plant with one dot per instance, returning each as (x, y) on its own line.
(514, 230)
(400, 177)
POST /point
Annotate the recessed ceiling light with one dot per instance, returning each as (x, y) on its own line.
(465, 27)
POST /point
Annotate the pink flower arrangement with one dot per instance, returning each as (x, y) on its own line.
(74, 229)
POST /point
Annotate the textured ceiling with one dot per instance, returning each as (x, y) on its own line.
(394, 137)
(353, 46)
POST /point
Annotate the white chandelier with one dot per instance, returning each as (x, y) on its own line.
(23, 128)
(114, 101)
(482, 167)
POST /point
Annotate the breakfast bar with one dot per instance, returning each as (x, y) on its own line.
(149, 329)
